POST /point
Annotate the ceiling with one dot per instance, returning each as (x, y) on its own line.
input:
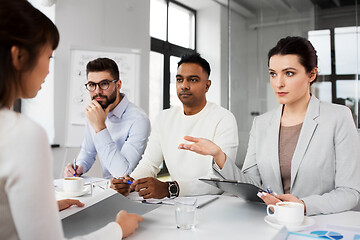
(256, 6)
(296, 5)
(252, 8)
(326, 4)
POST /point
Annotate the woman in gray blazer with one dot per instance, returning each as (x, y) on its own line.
(306, 150)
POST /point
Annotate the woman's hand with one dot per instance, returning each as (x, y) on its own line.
(128, 222)
(66, 203)
(205, 147)
(270, 199)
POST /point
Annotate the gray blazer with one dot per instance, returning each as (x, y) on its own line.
(325, 168)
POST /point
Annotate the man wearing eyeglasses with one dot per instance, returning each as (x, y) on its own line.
(116, 129)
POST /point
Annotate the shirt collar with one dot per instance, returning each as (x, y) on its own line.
(120, 108)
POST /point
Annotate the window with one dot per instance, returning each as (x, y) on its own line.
(172, 30)
(321, 42)
(174, 100)
(181, 24)
(337, 51)
(158, 16)
(346, 40)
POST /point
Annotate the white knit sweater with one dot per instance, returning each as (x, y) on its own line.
(212, 122)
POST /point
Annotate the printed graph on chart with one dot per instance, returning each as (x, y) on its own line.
(330, 232)
(328, 235)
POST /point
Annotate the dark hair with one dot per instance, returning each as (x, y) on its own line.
(298, 46)
(103, 64)
(26, 27)
(195, 58)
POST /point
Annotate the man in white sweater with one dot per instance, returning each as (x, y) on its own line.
(196, 117)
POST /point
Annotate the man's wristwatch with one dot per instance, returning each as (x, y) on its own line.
(173, 189)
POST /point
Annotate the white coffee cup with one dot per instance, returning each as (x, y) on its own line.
(287, 213)
(73, 184)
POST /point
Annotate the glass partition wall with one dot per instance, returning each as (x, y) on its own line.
(254, 26)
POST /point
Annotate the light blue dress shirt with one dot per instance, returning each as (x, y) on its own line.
(120, 145)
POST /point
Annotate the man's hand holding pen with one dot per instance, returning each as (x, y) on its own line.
(70, 171)
(146, 187)
(122, 184)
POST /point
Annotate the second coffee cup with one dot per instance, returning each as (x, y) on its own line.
(73, 184)
(287, 213)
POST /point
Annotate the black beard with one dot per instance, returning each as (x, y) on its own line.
(108, 100)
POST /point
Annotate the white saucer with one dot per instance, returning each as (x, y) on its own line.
(72, 194)
(274, 223)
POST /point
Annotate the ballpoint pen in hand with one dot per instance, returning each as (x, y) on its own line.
(270, 191)
(128, 182)
(74, 167)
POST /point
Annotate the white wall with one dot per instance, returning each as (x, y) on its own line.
(210, 44)
(239, 61)
(41, 108)
(103, 23)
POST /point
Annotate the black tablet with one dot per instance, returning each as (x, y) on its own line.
(245, 191)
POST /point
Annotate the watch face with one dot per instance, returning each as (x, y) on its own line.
(173, 188)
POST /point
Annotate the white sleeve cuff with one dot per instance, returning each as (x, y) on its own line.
(111, 231)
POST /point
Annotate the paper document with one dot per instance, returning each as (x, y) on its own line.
(201, 200)
(321, 232)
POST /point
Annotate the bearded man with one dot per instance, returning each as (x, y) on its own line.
(116, 130)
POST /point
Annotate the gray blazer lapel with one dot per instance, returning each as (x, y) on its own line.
(273, 143)
(307, 131)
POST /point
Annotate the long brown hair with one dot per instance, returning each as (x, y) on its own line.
(26, 27)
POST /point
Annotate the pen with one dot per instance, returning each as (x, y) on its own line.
(152, 201)
(270, 191)
(75, 166)
(128, 182)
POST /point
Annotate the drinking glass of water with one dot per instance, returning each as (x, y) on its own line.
(185, 212)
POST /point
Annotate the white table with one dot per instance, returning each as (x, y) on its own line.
(97, 192)
(228, 217)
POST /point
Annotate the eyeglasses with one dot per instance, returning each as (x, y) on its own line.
(103, 85)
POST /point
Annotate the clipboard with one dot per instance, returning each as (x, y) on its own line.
(243, 190)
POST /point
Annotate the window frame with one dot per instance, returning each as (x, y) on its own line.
(168, 49)
(334, 77)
